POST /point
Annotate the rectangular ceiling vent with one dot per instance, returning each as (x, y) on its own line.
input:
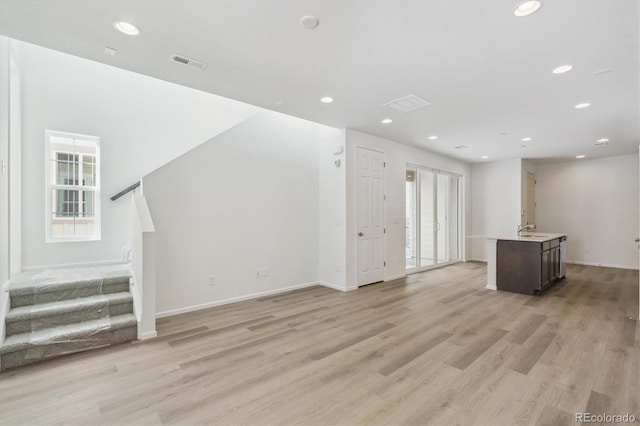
(461, 147)
(408, 103)
(188, 62)
(601, 144)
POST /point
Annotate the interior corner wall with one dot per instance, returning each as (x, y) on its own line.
(332, 208)
(4, 163)
(5, 231)
(495, 202)
(244, 201)
(397, 156)
(595, 202)
(142, 122)
(527, 167)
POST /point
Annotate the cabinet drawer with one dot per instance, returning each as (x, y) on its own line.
(554, 243)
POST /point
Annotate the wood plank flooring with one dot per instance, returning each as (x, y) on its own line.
(432, 348)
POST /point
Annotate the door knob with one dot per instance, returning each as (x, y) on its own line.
(360, 234)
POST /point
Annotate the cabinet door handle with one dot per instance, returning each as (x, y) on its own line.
(637, 240)
(360, 234)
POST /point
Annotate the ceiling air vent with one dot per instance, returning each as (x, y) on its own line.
(407, 104)
(461, 147)
(601, 144)
(188, 61)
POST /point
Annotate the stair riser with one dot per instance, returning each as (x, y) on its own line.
(54, 350)
(55, 296)
(28, 325)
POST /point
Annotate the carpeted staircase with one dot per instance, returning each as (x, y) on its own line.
(58, 312)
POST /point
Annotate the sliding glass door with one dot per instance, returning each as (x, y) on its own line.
(433, 218)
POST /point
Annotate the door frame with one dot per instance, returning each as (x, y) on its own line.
(383, 213)
(459, 218)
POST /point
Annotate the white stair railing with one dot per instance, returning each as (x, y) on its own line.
(143, 268)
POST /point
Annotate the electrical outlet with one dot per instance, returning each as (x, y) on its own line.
(212, 280)
(262, 272)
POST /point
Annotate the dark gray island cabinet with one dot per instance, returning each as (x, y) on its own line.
(530, 263)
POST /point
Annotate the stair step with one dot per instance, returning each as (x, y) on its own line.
(25, 348)
(46, 315)
(60, 284)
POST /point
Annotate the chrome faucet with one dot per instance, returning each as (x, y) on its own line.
(523, 227)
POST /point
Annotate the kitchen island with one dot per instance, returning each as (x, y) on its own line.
(528, 263)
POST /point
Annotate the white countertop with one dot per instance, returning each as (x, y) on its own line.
(538, 237)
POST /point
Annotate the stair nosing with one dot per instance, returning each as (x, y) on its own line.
(39, 288)
(22, 341)
(47, 309)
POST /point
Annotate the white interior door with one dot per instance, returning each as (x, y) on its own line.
(370, 223)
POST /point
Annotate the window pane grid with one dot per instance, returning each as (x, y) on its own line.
(73, 187)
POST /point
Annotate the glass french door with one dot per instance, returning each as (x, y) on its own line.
(433, 218)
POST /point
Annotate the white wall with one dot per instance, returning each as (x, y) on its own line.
(527, 167)
(397, 157)
(595, 202)
(332, 208)
(245, 200)
(495, 202)
(4, 177)
(142, 122)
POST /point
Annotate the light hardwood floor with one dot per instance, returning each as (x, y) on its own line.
(434, 348)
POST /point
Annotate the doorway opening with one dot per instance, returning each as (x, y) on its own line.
(433, 218)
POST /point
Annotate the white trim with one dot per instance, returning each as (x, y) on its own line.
(73, 265)
(148, 335)
(4, 308)
(395, 277)
(603, 265)
(336, 286)
(193, 308)
(49, 186)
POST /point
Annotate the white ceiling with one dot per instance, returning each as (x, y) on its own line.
(486, 73)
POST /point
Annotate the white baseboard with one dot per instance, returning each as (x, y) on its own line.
(336, 287)
(604, 265)
(395, 277)
(193, 308)
(148, 335)
(4, 309)
(73, 265)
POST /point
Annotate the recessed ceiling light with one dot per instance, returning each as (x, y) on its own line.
(526, 8)
(326, 100)
(484, 157)
(527, 139)
(582, 105)
(603, 140)
(580, 156)
(387, 121)
(433, 138)
(309, 22)
(126, 28)
(562, 69)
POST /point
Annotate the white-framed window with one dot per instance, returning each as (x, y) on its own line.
(72, 187)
